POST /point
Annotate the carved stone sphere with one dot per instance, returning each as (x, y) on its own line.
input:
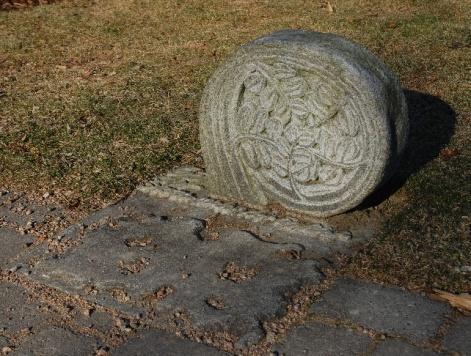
(309, 121)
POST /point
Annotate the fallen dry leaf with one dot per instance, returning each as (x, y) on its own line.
(460, 301)
(329, 7)
(216, 302)
(448, 153)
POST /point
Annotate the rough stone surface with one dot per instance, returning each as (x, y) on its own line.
(186, 186)
(308, 120)
(57, 341)
(319, 339)
(180, 262)
(393, 347)
(96, 320)
(163, 344)
(16, 210)
(17, 312)
(13, 243)
(4, 342)
(458, 338)
(385, 309)
(146, 255)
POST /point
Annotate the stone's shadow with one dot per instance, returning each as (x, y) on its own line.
(432, 124)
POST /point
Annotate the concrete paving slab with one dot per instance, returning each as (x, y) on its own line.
(385, 309)
(94, 319)
(319, 339)
(393, 347)
(57, 341)
(12, 244)
(169, 259)
(162, 344)
(17, 312)
(4, 342)
(16, 209)
(458, 338)
(148, 255)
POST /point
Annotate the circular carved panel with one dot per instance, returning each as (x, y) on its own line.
(310, 121)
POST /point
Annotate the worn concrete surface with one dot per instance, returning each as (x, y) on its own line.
(18, 311)
(393, 347)
(150, 275)
(385, 309)
(14, 243)
(58, 341)
(320, 339)
(458, 338)
(160, 344)
(146, 258)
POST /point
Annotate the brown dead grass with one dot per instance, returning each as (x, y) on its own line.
(97, 97)
(22, 4)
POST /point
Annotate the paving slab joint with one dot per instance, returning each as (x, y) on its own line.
(186, 185)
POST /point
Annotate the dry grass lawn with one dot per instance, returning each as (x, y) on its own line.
(98, 96)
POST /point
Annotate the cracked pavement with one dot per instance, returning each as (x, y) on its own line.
(154, 274)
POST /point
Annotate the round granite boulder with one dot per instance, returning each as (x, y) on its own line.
(309, 121)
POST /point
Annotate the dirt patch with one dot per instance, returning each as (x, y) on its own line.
(238, 274)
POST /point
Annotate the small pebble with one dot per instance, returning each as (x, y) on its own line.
(88, 311)
(14, 269)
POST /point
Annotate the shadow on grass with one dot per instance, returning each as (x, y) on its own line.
(432, 124)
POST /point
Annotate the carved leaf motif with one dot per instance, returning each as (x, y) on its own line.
(263, 153)
(329, 149)
(295, 131)
(322, 108)
(348, 149)
(346, 126)
(249, 155)
(311, 121)
(331, 175)
(280, 158)
(280, 165)
(261, 117)
(295, 87)
(292, 133)
(255, 82)
(307, 139)
(246, 117)
(268, 98)
(274, 128)
(284, 147)
(299, 108)
(282, 112)
(304, 167)
(341, 149)
(283, 71)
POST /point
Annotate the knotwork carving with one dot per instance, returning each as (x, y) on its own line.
(297, 130)
(310, 121)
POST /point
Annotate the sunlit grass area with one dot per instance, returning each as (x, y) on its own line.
(99, 96)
